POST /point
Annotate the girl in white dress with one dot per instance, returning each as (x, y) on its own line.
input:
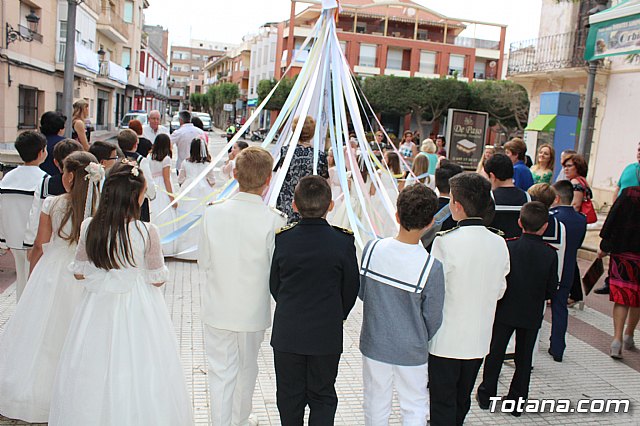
(392, 184)
(160, 165)
(195, 201)
(33, 338)
(120, 363)
(420, 169)
(230, 165)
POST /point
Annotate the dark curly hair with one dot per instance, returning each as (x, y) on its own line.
(416, 205)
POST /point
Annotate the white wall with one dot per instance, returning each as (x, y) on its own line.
(620, 130)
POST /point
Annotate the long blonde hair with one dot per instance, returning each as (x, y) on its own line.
(420, 167)
(480, 168)
(78, 109)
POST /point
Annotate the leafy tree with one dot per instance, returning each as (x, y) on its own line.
(281, 94)
(506, 102)
(197, 101)
(434, 97)
(388, 94)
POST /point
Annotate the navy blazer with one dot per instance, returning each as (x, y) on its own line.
(576, 227)
(533, 278)
(314, 281)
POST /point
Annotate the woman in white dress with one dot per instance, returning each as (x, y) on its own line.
(392, 183)
(160, 165)
(120, 363)
(196, 200)
(33, 338)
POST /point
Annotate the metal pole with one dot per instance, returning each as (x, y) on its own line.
(586, 111)
(69, 65)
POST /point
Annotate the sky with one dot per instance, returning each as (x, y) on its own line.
(229, 20)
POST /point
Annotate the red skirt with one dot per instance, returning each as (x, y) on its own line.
(624, 279)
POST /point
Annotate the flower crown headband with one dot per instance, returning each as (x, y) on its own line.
(135, 170)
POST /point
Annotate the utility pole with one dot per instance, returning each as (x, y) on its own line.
(586, 111)
(69, 64)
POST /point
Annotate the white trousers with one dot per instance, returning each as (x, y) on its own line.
(411, 387)
(22, 270)
(233, 369)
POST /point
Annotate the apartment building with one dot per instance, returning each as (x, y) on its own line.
(154, 70)
(107, 52)
(554, 62)
(263, 47)
(187, 68)
(232, 67)
(401, 38)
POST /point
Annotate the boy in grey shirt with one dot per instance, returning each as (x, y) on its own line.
(402, 288)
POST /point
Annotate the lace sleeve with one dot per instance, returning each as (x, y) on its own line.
(81, 261)
(156, 271)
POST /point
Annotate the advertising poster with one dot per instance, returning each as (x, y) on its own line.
(610, 38)
(466, 131)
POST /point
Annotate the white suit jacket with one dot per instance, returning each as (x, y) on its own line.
(476, 264)
(235, 250)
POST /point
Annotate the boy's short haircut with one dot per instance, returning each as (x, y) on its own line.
(517, 147)
(564, 190)
(253, 168)
(127, 139)
(65, 147)
(446, 171)
(52, 122)
(29, 144)
(102, 150)
(473, 192)
(416, 205)
(542, 192)
(312, 196)
(500, 165)
(533, 216)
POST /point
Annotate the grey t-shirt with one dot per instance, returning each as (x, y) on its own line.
(402, 289)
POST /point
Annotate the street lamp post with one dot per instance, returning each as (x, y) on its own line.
(69, 64)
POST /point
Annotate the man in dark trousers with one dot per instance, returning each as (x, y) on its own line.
(533, 279)
(314, 281)
(576, 226)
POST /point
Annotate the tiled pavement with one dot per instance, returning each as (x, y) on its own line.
(586, 372)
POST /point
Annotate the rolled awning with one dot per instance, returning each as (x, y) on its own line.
(615, 31)
(543, 123)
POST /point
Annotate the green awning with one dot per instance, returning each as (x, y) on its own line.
(543, 123)
(615, 31)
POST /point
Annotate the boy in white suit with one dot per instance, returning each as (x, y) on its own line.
(476, 263)
(235, 250)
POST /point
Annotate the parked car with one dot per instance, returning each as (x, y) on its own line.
(175, 123)
(206, 120)
(133, 115)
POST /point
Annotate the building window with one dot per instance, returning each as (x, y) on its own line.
(456, 64)
(126, 57)
(427, 62)
(128, 12)
(27, 108)
(59, 103)
(368, 55)
(479, 69)
(63, 30)
(343, 46)
(394, 59)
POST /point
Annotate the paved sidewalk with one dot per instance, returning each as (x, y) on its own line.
(585, 373)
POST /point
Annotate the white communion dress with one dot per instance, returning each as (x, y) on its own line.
(165, 221)
(34, 336)
(193, 204)
(120, 363)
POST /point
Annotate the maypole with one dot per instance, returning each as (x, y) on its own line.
(326, 90)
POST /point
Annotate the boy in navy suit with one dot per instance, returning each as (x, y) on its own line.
(576, 227)
(314, 281)
(533, 279)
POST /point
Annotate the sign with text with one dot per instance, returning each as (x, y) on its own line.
(466, 131)
(616, 37)
(227, 107)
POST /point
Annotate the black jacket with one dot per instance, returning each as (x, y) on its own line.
(314, 281)
(533, 278)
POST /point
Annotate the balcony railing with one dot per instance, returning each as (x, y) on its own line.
(476, 43)
(547, 53)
